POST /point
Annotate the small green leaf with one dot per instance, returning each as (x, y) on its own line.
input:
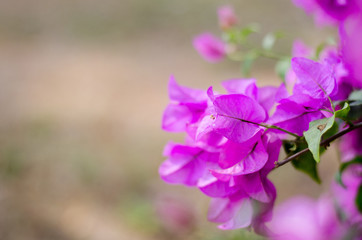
(343, 113)
(359, 198)
(333, 130)
(356, 110)
(305, 162)
(319, 49)
(355, 96)
(239, 36)
(269, 41)
(282, 67)
(313, 136)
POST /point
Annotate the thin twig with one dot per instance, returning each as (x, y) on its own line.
(324, 143)
(263, 125)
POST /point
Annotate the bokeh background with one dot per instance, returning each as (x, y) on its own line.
(83, 84)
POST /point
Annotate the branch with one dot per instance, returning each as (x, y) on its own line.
(324, 143)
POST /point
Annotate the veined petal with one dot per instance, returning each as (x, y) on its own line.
(251, 163)
(235, 111)
(184, 94)
(317, 79)
(242, 86)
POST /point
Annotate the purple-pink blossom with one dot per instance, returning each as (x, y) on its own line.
(329, 12)
(302, 218)
(226, 16)
(211, 48)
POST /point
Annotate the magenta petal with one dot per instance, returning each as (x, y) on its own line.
(220, 210)
(350, 145)
(206, 137)
(269, 95)
(232, 153)
(211, 48)
(301, 50)
(231, 110)
(239, 106)
(293, 117)
(242, 218)
(316, 79)
(273, 145)
(213, 187)
(242, 86)
(234, 212)
(303, 218)
(185, 165)
(250, 164)
(295, 219)
(253, 185)
(346, 196)
(184, 94)
(351, 36)
(175, 118)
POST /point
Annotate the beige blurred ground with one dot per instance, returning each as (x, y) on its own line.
(82, 88)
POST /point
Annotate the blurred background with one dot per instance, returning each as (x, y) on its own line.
(83, 84)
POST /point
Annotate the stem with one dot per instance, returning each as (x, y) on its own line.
(271, 55)
(326, 110)
(324, 143)
(262, 125)
(280, 129)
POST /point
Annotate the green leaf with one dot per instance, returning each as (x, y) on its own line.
(343, 113)
(269, 41)
(239, 36)
(313, 136)
(319, 49)
(359, 198)
(355, 112)
(343, 167)
(282, 67)
(333, 130)
(355, 96)
(305, 162)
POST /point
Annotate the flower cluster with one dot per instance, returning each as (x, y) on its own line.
(233, 140)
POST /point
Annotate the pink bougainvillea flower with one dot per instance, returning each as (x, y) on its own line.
(213, 187)
(351, 36)
(339, 9)
(211, 48)
(350, 145)
(346, 195)
(266, 96)
(227, 17)
(236, 117)
(329, 12)
(314, 79)
(233, 212)
(246, 87)
(294, 117)
(302, 218)
(299, 49)
(254, 160)
(252, 203)
(185, 164)
(175, 215)
(187, 106)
